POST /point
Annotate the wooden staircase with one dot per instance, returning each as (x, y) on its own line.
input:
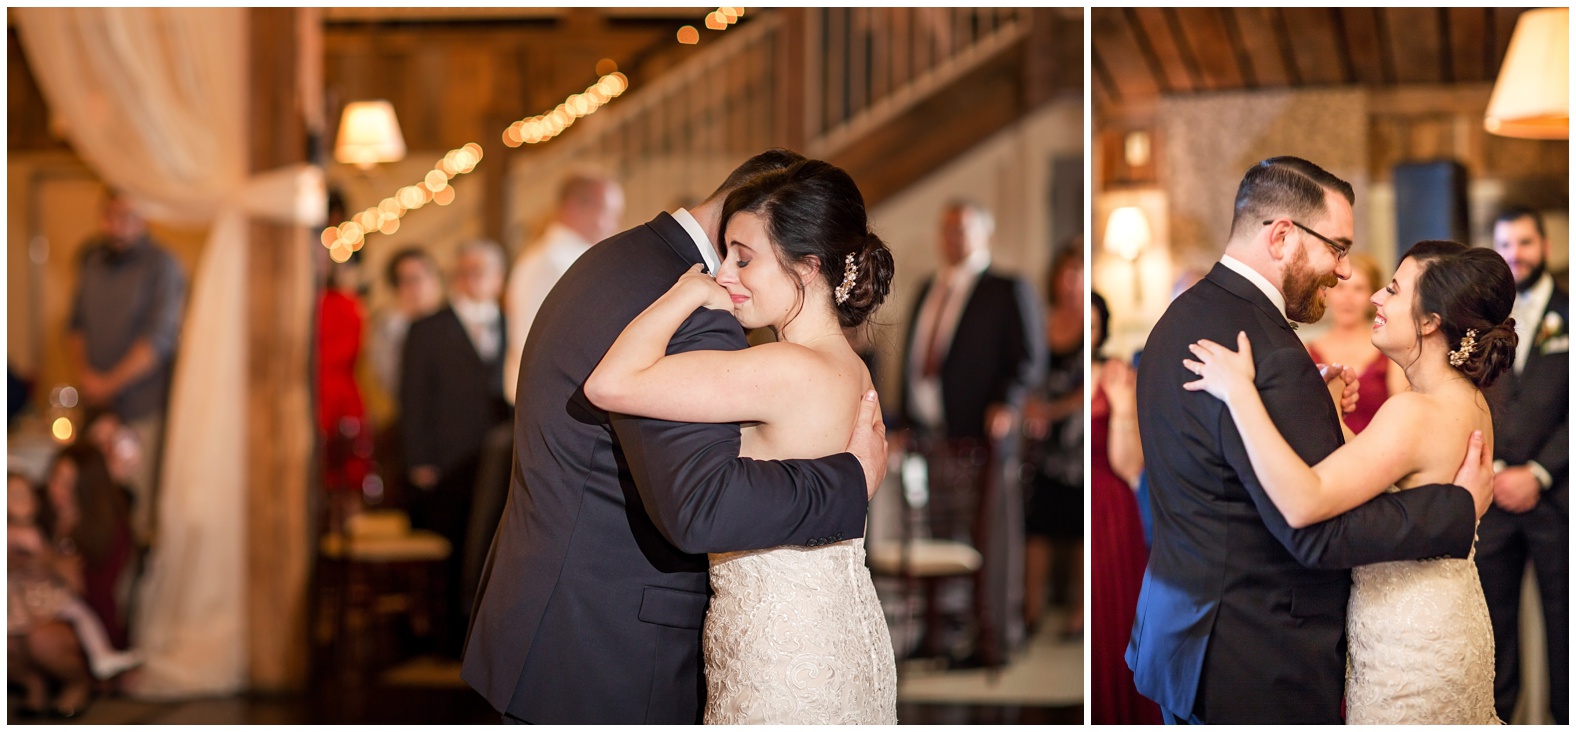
(889, 94)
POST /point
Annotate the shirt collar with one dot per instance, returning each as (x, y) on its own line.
(1539, 293)
(473, 311)
(708, 251)
(1258, 280)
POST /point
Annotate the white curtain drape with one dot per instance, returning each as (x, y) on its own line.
(155, 100)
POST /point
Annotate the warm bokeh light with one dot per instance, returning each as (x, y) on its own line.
(389, 226)
(330, 235)
(716, 21)
(62, 429)
(444, 196)
(340, 255)
(606, 66)
(436, 180)
(689, 36)
(68, 397)
(552, 123)
(351, 232)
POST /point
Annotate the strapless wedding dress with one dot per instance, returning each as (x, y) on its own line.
(795, 635)
(1420, 649)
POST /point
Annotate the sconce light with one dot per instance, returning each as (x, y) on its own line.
(1127, 236)
(1531, 97)
(369, 134)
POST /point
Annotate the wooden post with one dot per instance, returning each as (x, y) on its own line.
(279, 327)
(790, 78)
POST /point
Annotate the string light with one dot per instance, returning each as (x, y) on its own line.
(689, 36)
(552, 123)
(350, 236)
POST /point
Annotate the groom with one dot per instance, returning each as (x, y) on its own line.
(591, 603)
(1241, 618)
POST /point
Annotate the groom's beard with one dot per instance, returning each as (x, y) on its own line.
(1301, 286)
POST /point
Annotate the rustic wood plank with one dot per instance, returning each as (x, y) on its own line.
(1315, 46)
(1204, 33)
(1113, 40)
(1172, 71)
(1257, 38)
(1504, 27)
(1363, 43)
(1414, 44)
(1468, 44)
(279, 307)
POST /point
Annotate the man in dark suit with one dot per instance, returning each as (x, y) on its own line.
(1241, 618)
(451, 395)
(591, 604)
(1531, 513)
(975, 345)
(975, 341)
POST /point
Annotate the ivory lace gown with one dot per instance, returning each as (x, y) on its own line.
(795, 635)
(1420, 649)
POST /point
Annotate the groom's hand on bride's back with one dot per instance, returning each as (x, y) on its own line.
(868, 443)
(1477, 473)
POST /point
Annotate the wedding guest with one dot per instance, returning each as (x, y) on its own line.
(1053, 448)
(1349, 341)
(451, 396)
(418, 292)
(342, 426)
(48, 626)
(974, 349)
(1530, 518)
(125, 319)
(1117, 554)
(88, 518)
(589, 210)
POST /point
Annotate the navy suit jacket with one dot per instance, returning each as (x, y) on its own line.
(1242, 619)
(591, 602)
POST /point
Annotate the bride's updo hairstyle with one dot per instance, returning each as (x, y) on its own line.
(813, 209)
(1469, 288)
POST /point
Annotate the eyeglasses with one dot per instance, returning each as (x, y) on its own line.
(1339, 249)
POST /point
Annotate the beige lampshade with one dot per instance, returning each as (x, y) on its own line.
(1127, 232)
(1532, 96)
(369, 134)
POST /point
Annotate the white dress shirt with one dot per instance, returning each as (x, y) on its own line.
(1260, 281)
(1528, 312)
(480, 320)
(957, 284)
(533, 276)
(708, 251)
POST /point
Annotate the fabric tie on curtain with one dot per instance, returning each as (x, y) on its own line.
(155, 101)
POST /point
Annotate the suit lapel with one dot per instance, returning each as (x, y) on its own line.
(1238, 285)
(673, 234)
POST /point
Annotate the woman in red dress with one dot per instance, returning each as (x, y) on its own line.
(1117, 554)
(1350, 340)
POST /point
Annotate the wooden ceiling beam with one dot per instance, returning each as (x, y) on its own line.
(1205, 34)
(1173, 71)
(1315, 46)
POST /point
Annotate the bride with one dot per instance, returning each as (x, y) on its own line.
(793, 635)
(1420, 648)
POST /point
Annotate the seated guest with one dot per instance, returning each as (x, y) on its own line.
(451, 395)
(89, 518)
(48, 626)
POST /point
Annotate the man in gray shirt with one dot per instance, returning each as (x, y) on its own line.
(125, 319)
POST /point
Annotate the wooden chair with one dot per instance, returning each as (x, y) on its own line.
(943, 535)
(376, 565)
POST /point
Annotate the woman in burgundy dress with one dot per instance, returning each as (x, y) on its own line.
(1117, 554)
(1350, 340)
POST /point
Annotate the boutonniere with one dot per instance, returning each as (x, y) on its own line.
(1551, 326)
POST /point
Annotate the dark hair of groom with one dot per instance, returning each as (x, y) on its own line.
(1283, 186)
(774, 159)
